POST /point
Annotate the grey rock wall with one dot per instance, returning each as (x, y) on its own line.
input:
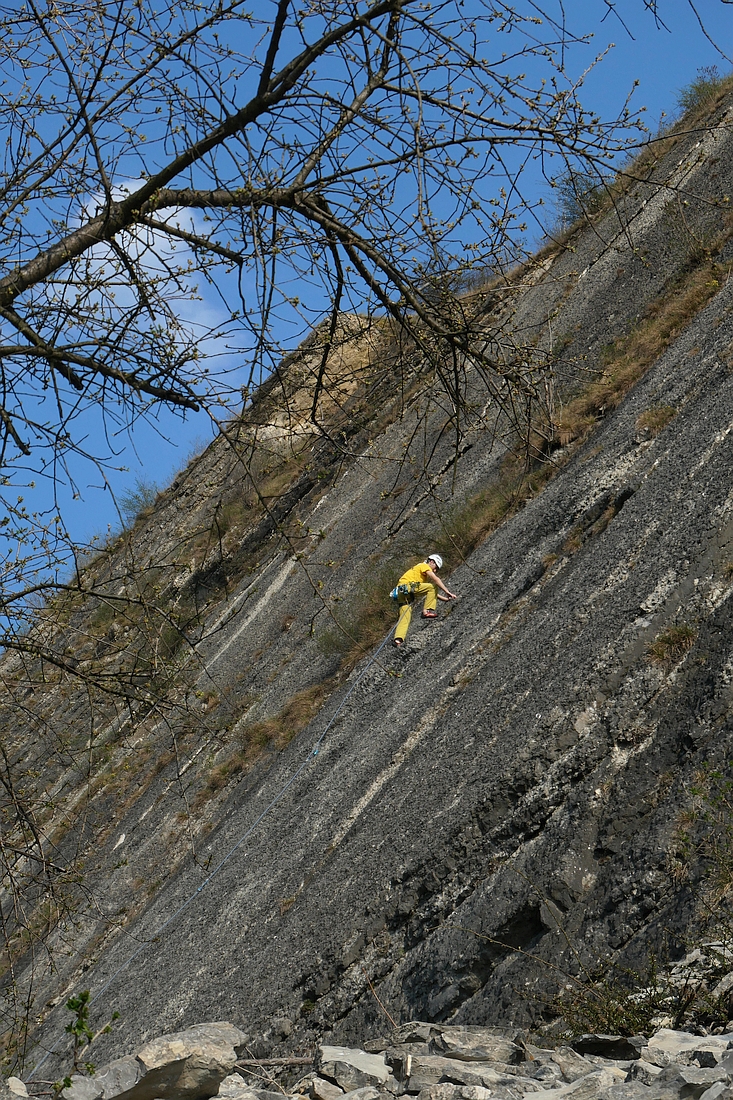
(501, 798)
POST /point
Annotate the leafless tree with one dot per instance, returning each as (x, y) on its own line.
(292, 164)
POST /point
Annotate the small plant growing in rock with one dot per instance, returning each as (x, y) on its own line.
(82, 1034)
(79, 1028)
(711, 818)
(690, 993)
(655, 419)
(704, 852)
(286, 904)
(671, 645)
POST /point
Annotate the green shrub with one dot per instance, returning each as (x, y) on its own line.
(701, 90)
(136, 499)
(620, 1001)
(578, 195)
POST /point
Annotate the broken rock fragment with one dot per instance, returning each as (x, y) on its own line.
(188, 1065)
(591, 1087)
(690, 1081)
(477, 1044)
(235, 1087)
(675, 1043)
(321, 1089)
(12, 1088)
(352, 1069)
(571, 1065)
(645, 1072)
(610, 1046)
(424, 1061)
(458, 1092)
(417, 1073)
(367, 1093)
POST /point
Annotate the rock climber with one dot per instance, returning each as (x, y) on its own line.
(419, 581)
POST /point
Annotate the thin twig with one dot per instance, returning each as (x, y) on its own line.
(243, 1062)
(379, 1002)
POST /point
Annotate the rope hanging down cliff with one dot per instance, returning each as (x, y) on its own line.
(157, 935)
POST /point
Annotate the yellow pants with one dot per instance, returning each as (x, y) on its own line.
(425, 589)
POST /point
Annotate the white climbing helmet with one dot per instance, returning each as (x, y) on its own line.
(436, 559)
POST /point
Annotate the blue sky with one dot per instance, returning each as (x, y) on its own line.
(662, 60)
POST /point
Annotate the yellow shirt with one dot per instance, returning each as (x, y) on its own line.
(417, 574)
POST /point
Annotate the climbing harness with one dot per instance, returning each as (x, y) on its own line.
(405, 591)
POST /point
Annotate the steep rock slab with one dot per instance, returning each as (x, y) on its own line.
(509, 783)
(528, 725)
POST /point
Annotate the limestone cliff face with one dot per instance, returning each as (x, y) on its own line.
(503, 795)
